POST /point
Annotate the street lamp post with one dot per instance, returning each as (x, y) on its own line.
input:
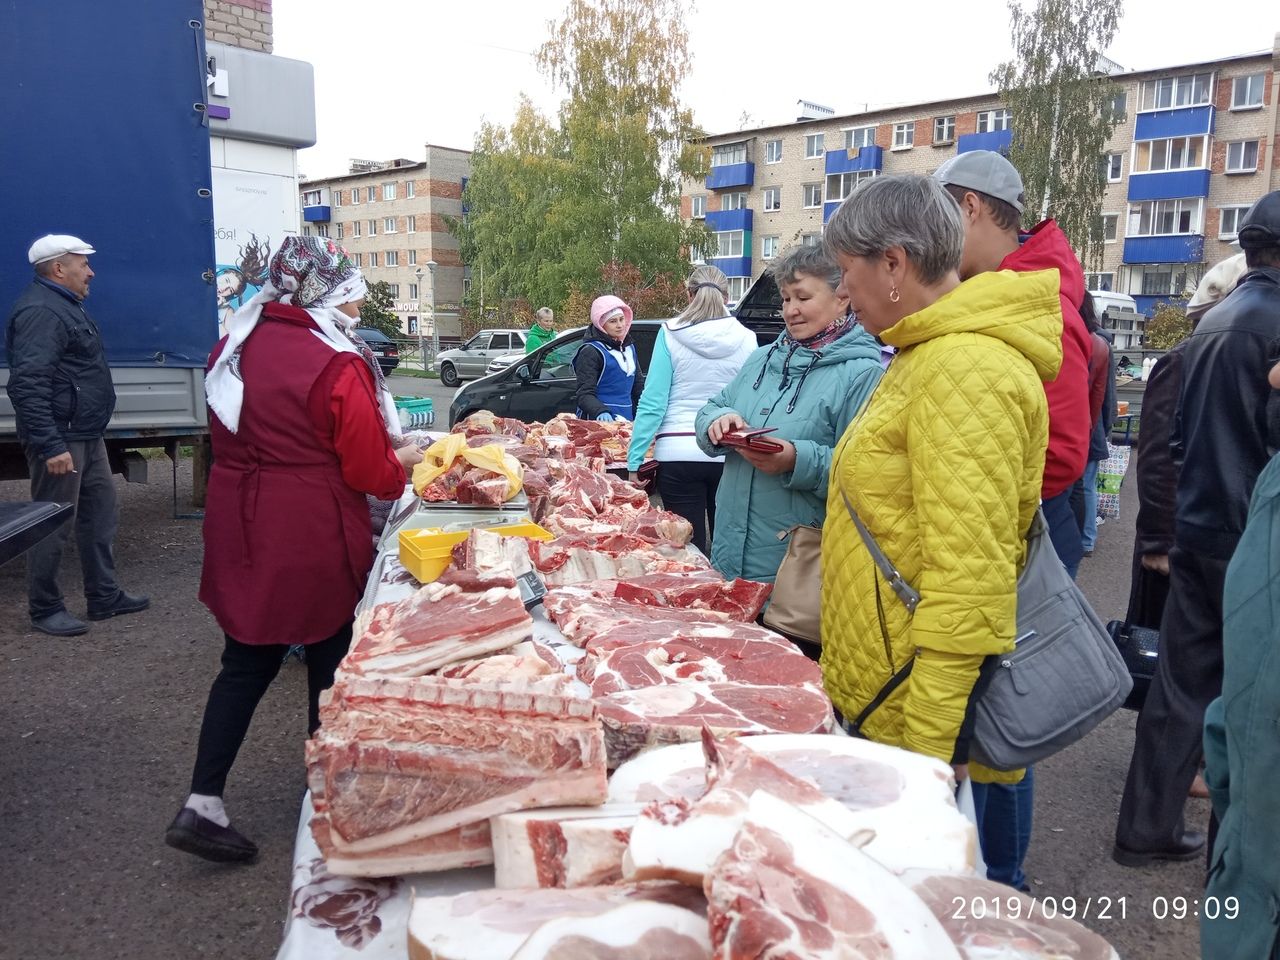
(422, 343)
(435, 328)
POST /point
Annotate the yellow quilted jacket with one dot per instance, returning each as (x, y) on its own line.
(944, 467)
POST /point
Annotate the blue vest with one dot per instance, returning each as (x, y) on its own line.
(613, 389)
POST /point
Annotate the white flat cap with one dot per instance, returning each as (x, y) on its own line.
(55, 245)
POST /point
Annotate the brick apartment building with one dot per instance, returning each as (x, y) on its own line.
(390, 216)
(1197, 146)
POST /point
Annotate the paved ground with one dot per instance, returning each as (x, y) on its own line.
(441, 396)
(98, 734)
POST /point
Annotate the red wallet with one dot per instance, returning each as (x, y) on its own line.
(755, 439)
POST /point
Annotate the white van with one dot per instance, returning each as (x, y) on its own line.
(1118, 313)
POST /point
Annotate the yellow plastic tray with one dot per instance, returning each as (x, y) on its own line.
(427, 552)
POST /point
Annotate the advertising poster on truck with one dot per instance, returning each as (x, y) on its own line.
(252, 213)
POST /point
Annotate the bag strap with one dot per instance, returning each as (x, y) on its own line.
(908, 594)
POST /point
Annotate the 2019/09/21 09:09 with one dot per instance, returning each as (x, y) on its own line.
(1091, 908)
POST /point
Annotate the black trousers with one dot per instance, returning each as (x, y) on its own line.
(247, 671)
(688, 488)
(1065, 528)
(1170, 736)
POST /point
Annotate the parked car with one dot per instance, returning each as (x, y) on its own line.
(384, 348)
(502, 362)
(470, 360)
(542, 384)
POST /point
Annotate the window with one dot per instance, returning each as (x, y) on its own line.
(413, 291)
(408, 189)
(413, 258)
(814, 145)
(413, 325)
(904, 135)
(389, 225)
(1189, 91)
(311, 198)
(728, 153)
(1159, 279)
(1118, 107)
(500, 341)
(773, 151)
(466, 287)
(355, 194)
(411, 224)
(338, 226)
(393, 258)
(393, 291)
(388, 191)
(729, 243)
(944, 129)
(371, 194)
(1110, 226)
(768, 248)
(1229, 225)
(1159, 218)
(1246, 92)
(1099, 281)
(1242, 156)
(306, 229)
(733, 201)
(1177, 153)
(322, 229)
(698, 206)
(359, 259)
(737, 288)
(373, 259)
(991, 121)
(811, 240)
(373, 228)
(813, 195)
(772, 199)
(855, 138)
(337, 198)
(840, 185)
(355, 229)
(1115, 167)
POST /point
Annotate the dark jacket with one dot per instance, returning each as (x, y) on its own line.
(589, 364)
(1241, 750)
(59, 382)
(1220, 429)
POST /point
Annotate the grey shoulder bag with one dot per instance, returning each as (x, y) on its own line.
(1063, 677)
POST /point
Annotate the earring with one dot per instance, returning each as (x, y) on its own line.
(894, 295)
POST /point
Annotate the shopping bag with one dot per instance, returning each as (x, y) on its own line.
(1110, 476)
(439, 457)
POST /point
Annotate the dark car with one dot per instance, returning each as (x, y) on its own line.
(543, 383)
(383, 347)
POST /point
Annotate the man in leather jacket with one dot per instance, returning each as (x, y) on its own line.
(63, 398)
(1219, 440)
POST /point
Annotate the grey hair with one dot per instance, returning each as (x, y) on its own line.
(545, 313)
(45, 267)
(914, 213)
(705, 302)
(809, 261)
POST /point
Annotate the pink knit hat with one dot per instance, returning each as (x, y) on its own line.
(601, 307)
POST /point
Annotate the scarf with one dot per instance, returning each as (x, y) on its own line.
(317, 275)
(829, 335)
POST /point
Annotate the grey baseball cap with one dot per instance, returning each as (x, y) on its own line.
(986, 172)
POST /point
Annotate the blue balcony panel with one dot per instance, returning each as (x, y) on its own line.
(732, 266)
(866, 158)
(1183, 122)
(1169, 186)
(316, 214)
(1147, 305)
(731, 175)
(998, 141)
(1187, 248)
(828, 209)
(729, 220)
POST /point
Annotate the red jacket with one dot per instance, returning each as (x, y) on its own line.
(287, 537)
(1069, 423)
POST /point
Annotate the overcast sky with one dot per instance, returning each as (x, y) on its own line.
(393, 75)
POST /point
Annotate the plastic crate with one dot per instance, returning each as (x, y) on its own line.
(415, 412)
(427, 552)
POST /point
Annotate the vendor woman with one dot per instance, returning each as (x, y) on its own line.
(608, 370)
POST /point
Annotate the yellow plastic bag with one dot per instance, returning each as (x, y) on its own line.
(439, 457)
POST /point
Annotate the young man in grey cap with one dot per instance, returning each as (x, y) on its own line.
(1219, 439)
(63, 397)
(989, 191)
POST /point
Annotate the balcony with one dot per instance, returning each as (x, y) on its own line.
(1183, 248)
(1182, 122)
(854, 159)
(317, 213)
(998, 141)
(1172, 185)
(828, 208)
(723, 220)
(729, 175)
(733, 266)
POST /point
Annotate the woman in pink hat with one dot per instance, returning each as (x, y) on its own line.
(609, 376)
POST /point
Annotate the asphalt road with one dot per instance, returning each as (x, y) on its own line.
(441, 396)
(98, 734)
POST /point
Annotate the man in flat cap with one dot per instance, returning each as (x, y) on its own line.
(1219, 438)
(63, 397)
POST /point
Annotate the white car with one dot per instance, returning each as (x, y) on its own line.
(502, 362)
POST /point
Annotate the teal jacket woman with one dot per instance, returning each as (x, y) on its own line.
(809, 384)
(1240, 913)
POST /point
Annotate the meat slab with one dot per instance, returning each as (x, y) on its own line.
(466, 846)
(694, 590)
(494, 924)
(398, 760)
(636, 931)
(562, 846)
(646, 523)
(581, 618)
(574, 559)
(790, 887)
(527, 661)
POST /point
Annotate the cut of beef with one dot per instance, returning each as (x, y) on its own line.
(741, 599)
(465, 846)
(790, 887)
(572, 560)
(445, 486)
(401, 759)
(636, 931)
(1011, 927)
(485, 551)
(635, 720)
(657, 526)
(523, 663)
(482, 488)
(562, 846)
(581, 618)
(492, 924)
(455, 618)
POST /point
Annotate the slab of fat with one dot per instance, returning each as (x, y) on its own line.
(648, 930)
(593, 843)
